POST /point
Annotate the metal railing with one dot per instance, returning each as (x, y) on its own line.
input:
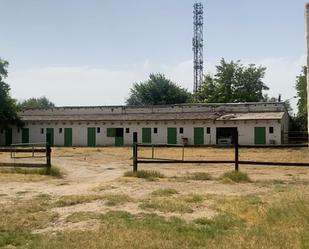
(236, 162)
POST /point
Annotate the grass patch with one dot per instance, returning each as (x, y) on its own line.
(53, 171)
(283, 223)
(111, 199)
(116, 199)
(70, 200)
(146, 174)
(194, 198)
(200, 176)
(82, 216)
(164, 192)
(236, 176)
(179, 204)
(20, 218)
(123, 230)
(166, 206)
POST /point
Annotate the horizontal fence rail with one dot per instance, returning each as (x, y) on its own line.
(236, 162)
(40, 147)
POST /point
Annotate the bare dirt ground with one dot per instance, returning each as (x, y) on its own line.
(99, 171)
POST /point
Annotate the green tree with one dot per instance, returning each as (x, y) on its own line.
(36, 103)
(233, 82)
(301, 89)
(158, 90)
(8, 108)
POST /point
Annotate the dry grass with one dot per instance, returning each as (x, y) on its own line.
(53, 171)
(178, 204)
(146, 174)
(110, 199)
(164, 192)
(235, 176)
(271, 211)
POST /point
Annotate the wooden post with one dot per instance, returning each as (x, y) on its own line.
(152, 153)
(48, 150)
(134, 152)
(183, 152)
(236, 150)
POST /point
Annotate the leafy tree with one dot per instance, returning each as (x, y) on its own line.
(158, 90)
(233, 82)
(301, 89)
(36, 103)
(8, 108)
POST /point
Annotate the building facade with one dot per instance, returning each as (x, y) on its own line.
(256, 123)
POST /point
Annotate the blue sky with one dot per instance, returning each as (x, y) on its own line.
(90, 52)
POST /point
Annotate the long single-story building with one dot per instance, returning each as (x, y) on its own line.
(256, 123)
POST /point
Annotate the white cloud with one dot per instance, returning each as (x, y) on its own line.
(102, 86)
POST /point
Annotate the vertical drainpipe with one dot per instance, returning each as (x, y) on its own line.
(307, 42)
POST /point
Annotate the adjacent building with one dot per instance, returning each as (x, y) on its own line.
(196, 124)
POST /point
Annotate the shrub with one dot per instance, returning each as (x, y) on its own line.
(236, 176)
(164, 192)
(53, 171)
(147, 174)
(200, 176)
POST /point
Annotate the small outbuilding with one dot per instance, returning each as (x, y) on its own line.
(196, 124)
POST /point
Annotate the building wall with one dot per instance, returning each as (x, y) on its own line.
(79, 130)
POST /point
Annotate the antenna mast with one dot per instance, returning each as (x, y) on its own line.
(197, 44)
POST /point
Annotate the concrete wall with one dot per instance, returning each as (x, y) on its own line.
(79, 130)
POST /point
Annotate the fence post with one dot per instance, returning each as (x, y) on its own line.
(152, 152)
(135, 152)
(236, 146)
(48, 150)
(183, 152)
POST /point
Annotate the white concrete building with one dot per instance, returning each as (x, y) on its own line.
(256, 123)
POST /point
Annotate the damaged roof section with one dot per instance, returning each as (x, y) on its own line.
(223, 112)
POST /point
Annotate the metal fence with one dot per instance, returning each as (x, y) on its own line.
(235, 161)
(28, 150)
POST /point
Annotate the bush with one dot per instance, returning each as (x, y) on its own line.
(53, 171)
(236, 176)
(164, 192)
(147, 174)
(200, 176)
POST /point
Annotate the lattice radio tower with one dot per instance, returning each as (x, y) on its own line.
(197, 43)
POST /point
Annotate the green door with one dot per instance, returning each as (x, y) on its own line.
(25, 135)
(118, 141)
(51, 132)
(91, 137)
(8, 137)
(171, 135)
(67, 137)
(260, 135)
(146, 135)
(198, 135)
(119, 137)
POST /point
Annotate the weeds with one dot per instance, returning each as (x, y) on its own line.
(69, 200)
(116, 199)
(166, 206)
(236, 176)
(164, 192)
(200, 176)
(146, 174)
(53, 171)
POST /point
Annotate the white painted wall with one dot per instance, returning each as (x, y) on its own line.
(79, 131)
